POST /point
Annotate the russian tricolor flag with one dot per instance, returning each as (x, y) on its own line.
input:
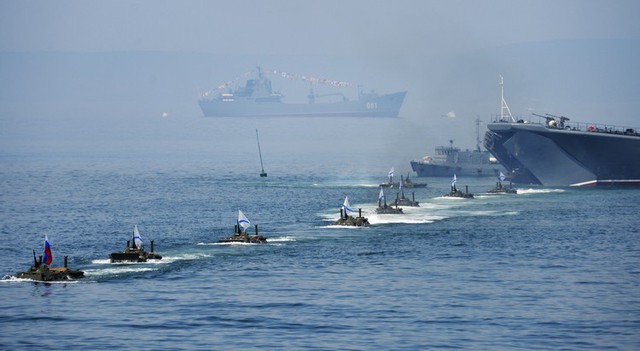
(48, 257)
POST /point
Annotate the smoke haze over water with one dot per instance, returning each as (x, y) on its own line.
(120, 80)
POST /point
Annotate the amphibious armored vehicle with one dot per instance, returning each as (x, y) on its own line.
(455, 192)
(134, 252)
(351, 221)
(42, 272)
(500, 189)
(384, 208)
(240, 234)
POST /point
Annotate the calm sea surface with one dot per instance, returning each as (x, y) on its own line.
(546, 269)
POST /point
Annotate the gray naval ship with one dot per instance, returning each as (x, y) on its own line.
(553, 151)
(257, 99)
(449, 160)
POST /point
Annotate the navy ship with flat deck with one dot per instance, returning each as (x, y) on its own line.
(258, 99)
(556, 152)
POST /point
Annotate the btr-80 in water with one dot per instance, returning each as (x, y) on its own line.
(40, 271)
(240, 234)
(384, 208)
(348, 220)
(134, 252)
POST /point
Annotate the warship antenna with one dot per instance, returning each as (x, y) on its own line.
(478, 122)
(262, 173)
(503, 105)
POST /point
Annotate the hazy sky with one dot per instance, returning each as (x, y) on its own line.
(90, 76)
(306, 27)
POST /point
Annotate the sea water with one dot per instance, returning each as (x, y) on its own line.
(545, 269)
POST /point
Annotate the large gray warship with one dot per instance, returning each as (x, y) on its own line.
(556, 152)
(559, 153)
(257, 99)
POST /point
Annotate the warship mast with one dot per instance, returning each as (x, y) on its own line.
(505, 112)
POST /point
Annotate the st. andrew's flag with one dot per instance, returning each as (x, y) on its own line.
(347, 206)
(243, 221)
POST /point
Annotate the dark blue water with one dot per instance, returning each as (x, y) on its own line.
(546, 269)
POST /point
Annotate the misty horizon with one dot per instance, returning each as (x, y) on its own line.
(96, 82)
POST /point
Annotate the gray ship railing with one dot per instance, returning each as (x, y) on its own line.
(576, 126)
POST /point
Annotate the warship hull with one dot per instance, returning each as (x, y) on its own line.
(378, 106)
(429, 169)
(548, 155)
